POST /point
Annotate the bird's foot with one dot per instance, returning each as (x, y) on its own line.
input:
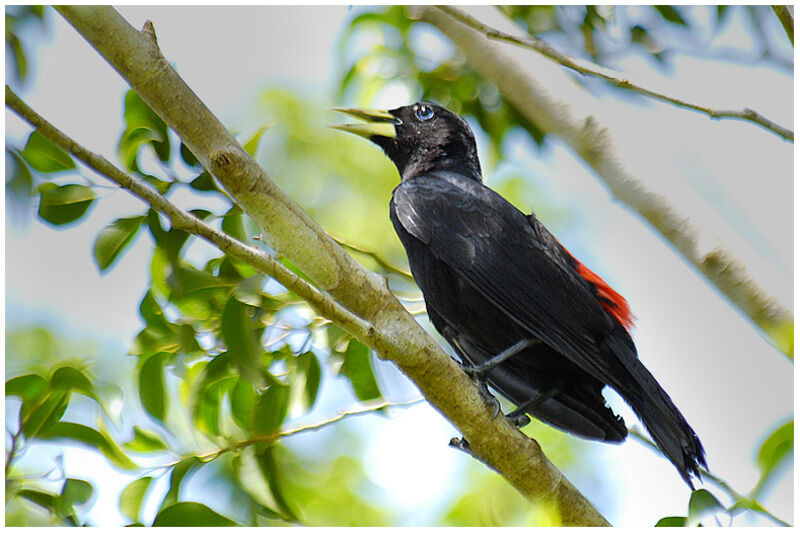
(518, 419)
(489, 398)
(519, 416)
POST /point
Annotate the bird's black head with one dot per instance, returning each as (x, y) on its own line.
(420, 138)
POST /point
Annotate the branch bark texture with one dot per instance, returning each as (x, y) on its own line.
(785, 15)
(614, 78)
(592, 142)
(339, 279)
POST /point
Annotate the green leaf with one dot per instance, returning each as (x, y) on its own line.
(305, 383)
(670, 14)
(188, 157)
(672, 521)
(248, 291)
(207, 409)
(151, 386)
(113, 239)
(233, 224)
(70, 378)
(239, 336)
(27, 387)
(271, 409)
(92, 438)
(243, 404)
(268, 466)
(62, 204)
(204, 182)
(191, 514)
(186, 280)
(171, 242)
(38, 416)
(185, 467)
(46, 500)
(251, 146)
(20, 186)
(44, 156)
(150, 341)
(702, 503)
(130, 501)
(74, 492)
(20, 61)
(774, 449)
(247, 474)
(358, 369)
(145, 441)
(143, 126)
(153, 314)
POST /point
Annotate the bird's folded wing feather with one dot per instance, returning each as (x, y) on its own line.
(517, 268)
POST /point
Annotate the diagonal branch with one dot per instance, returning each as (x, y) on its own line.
(186, 221)
(592, 142)
(378, 258)
(614, 78)
(364, 409)
(786, 17)
(391, 330)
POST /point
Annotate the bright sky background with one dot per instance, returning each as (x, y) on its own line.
(733, 180)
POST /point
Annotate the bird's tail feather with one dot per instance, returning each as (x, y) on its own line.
(669, 429)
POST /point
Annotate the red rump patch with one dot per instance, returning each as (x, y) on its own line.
(611, 300)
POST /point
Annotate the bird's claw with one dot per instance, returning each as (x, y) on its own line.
(489, 398)
(518, 419)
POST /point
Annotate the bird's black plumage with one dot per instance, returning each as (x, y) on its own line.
(492, 276)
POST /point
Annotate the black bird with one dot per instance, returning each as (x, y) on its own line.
(521, 312)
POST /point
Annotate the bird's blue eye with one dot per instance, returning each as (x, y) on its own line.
(424, 112)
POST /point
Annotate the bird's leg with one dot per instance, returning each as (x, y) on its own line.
(519, 416)
(478, 372)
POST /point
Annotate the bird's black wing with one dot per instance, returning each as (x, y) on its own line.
(518, 268)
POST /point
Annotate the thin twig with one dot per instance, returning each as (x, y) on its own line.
(13, 450)
(366, 408)
(721, 483)
(383, 263)
(590, 69)
(784, 14)
(186, 221)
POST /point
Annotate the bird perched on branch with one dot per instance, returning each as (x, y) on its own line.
(521, 312)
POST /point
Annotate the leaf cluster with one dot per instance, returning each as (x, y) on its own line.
(240, 354)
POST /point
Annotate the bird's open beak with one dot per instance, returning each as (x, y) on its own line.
(378, 123)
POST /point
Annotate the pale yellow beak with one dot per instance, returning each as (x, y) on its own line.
(379, 123)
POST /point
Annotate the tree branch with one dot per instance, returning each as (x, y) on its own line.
(392, 331)
(364, 409)
(592, 142)
(614, 78)
(383, 263)
(786, 17)
(186, 221)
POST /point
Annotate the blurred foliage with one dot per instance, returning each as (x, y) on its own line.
(605, 34)
(226, 359)
(223, 357)
(18, 20)
(383, 47)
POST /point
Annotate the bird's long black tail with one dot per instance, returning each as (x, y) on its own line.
(669, 429)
